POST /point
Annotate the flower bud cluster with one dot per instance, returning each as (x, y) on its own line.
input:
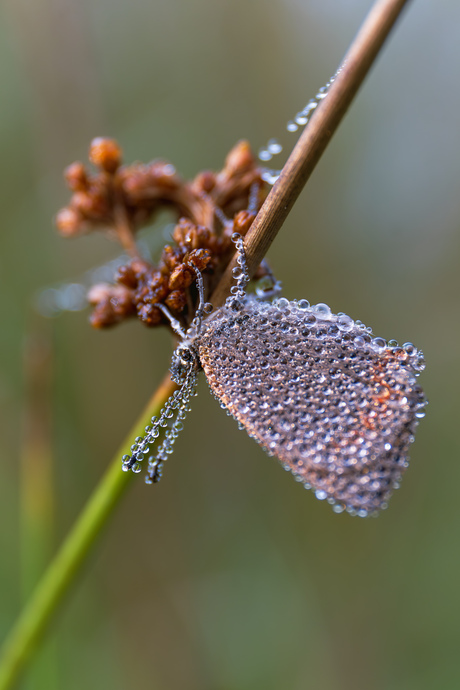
(120, 199)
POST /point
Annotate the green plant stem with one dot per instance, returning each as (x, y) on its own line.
(61, 573)
(36, 488)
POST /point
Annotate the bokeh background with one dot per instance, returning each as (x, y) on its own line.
(229, 575)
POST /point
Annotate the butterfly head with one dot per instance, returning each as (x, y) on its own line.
(184, 361)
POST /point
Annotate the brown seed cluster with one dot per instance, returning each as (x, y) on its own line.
(120, 199)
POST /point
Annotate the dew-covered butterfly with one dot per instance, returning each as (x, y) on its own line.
(337, 406)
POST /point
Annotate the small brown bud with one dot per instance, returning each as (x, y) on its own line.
(68, 222)
(113, 303)
(187, 234)
(150, 315)
(76, 177)
(181, 277)
(171, 258)
(199, 258)
(105, 153)
(239, 159)
(242, 222)
(92, 205)
(99, 292)
(176, 300)
(205, 181)
(127, 276)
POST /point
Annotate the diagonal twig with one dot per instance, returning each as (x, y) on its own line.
(313, 141)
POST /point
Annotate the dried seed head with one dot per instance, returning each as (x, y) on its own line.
(209, 210)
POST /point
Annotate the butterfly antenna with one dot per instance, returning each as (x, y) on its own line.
(203, 307)
(174, 323)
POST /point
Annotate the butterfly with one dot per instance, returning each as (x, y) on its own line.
(337, 406)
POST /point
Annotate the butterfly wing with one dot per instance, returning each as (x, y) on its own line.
(336, 406)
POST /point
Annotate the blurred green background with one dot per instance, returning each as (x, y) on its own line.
(228, 575)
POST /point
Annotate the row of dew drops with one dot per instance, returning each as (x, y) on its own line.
(273, 147)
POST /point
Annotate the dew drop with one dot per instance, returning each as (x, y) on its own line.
(322, 310)
(301, 118)
(270, 176)
(378, 345)
(282, 304)
(274, 147)
(345, 323)
(303, 304)
(265, 155)
(409, 348)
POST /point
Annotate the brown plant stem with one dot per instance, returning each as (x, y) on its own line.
(124, 229)
(313, 141)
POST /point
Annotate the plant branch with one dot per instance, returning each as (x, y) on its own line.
(61, 573)
(313, 141)
(124, 227)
